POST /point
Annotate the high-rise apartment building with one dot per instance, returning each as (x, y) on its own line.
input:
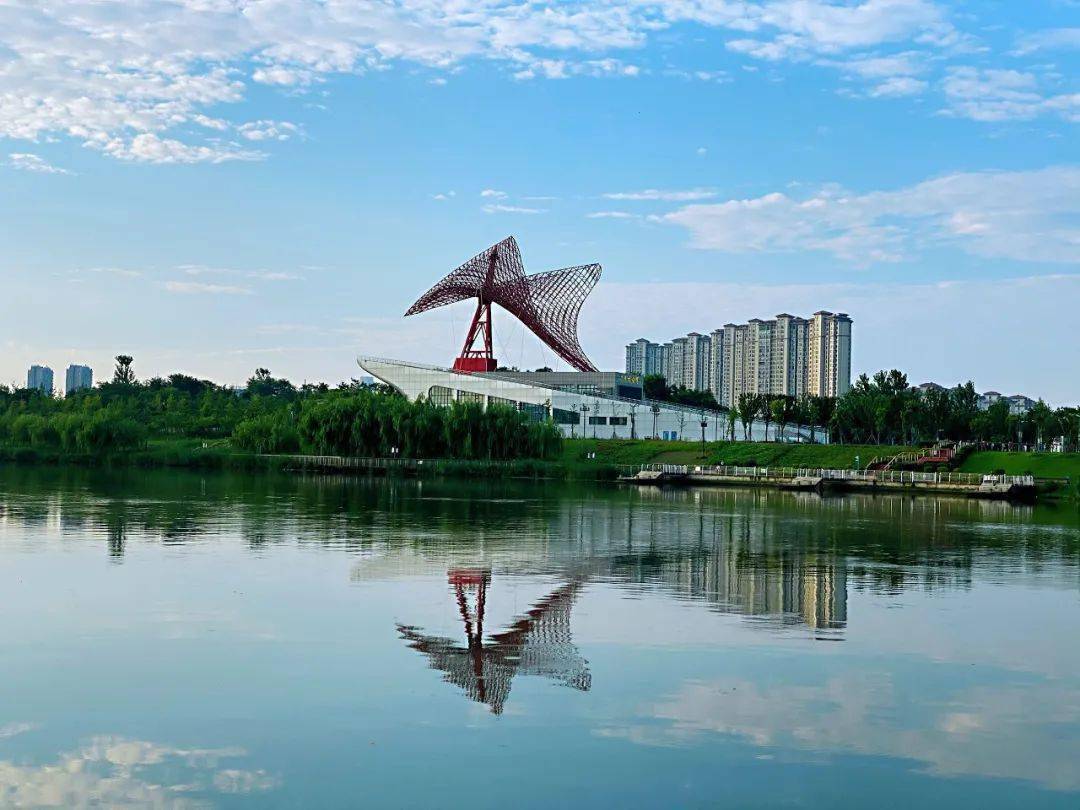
(77, 378)
(678, 362)
(696, 362)
(665, 360)
(643, 357)
(716, 363)
(828, 351)
(788, 356)
(735, 360)
(40, 378)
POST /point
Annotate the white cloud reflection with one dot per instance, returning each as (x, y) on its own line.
(116, 772)
(1012, 730)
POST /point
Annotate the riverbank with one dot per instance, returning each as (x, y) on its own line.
(581, 459)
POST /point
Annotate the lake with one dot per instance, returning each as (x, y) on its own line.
(174, 639)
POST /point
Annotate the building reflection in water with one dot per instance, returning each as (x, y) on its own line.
(537, 643)
(791, 588)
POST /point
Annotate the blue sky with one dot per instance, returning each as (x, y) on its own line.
(215, 185)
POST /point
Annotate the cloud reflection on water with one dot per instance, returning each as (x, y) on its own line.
(1015, 730)
(116, 772)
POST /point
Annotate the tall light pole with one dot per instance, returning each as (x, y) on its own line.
(704, 424)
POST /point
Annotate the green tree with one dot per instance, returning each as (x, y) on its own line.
(124, 374)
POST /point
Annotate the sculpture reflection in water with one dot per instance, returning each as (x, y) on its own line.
(537, 643)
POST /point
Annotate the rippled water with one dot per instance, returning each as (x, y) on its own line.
(173, 639)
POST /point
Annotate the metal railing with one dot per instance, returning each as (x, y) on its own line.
(854, 476)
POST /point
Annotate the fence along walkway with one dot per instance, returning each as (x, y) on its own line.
(853, 476)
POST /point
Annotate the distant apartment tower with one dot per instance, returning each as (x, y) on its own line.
(789, 350)
(788, 356)
(40, 378)
(828, 352)
(716, 363)
(696, 362)
(643, 357)
(77, 378)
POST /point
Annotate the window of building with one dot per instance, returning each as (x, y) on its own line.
(469, 396)
(565, 417)
(617, 420)
(502, 401)
(438, 395)
(536, 413)
(597, 420)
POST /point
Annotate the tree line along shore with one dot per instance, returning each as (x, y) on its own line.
(180, 420)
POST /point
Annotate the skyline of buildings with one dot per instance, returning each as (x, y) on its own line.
(787, 355)
(76, 378)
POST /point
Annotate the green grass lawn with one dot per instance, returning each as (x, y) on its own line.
(1041, 465)
(764, 454)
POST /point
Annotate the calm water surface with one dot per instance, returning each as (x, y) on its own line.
(173, 639)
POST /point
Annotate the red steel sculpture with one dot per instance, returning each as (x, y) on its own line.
(547, 303)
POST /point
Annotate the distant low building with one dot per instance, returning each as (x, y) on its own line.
(1020, 404)
(40, 378)
(78, 378)
(988, 399)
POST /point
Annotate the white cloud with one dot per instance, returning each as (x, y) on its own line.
(199, 288)
(1025, 216)
(612, 215)
(1051, 39)
(268, 130)
(898, 86)
(273, 275)
(715, 76)
(13, 729)
(443, 196)
(27, 162)
(1003, 95)
(498, 208)
(132, 79)
(565, 68)
(262, 275)
(115, 271)
(787, 30)
(149, 148)
(660, 194)
(493, 194)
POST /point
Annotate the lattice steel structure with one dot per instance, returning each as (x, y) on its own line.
(537, 643)
(547, 303)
